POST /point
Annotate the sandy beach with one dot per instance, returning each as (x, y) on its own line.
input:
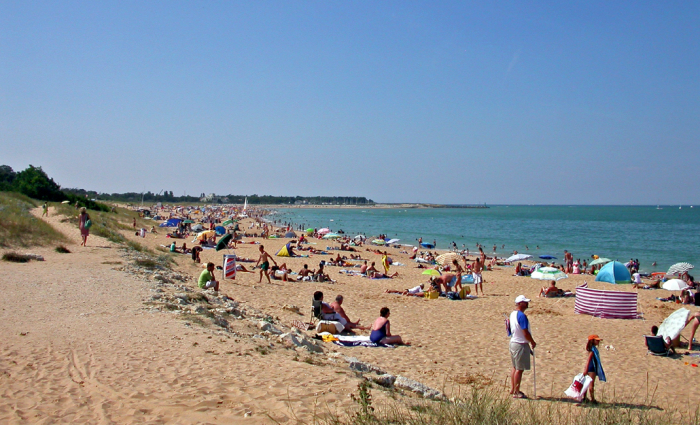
(87, 338)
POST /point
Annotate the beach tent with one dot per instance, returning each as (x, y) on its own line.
(606, 304)
(290, 235)
(220, 230)
(614, 272)
(173, 222)
(286, 251)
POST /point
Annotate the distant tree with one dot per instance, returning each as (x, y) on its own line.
(35, 183)
(7, 177)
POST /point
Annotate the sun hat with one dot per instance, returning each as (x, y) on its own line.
(594, 337)
(521, 299)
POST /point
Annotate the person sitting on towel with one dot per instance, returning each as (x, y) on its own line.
(327, 312)
(551, 291)
(337, 306)
(305, 272)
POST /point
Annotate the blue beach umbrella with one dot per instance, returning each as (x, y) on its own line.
(614, 272)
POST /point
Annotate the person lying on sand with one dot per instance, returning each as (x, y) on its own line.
(416, 291)
(379, 275)
(337, 306)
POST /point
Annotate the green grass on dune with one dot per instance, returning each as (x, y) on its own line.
(19, 228)
(492, 406)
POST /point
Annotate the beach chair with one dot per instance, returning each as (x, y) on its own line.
(656, 346)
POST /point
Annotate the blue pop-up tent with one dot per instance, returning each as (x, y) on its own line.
(173, 222)
(614, 272)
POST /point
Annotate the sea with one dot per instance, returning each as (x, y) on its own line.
(662, 234)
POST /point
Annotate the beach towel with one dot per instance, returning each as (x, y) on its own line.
(599, 366)
(356, 341)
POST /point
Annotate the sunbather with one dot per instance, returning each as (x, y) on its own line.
(337, 306)
(381, 332)
(416, 291)
(551, 291)
(378, 275)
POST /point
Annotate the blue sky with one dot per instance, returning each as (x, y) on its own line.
(399, 101)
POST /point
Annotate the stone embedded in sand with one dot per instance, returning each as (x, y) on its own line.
(292, 341)
(415, 386)
(200, 310)
(265, 326)
(385, 380)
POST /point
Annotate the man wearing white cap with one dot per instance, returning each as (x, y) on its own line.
(519, 348)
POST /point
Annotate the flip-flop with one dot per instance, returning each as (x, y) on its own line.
(519, 395)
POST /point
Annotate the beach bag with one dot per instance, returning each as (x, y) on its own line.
(431, 295)
(453, 296)
(579, 387)
(329, 326)
(88, 224)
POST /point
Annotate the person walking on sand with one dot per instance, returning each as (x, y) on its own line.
(594, 368)
(476, 275)
(519, 348)
(45, 210)
(264, 261)
(84, 225)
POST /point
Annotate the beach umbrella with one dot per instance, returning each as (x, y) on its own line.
(679, 268)
(599, 261)
(309, 231)
(65, 202)
(674, 324)
(674, 285)
(447, 258)
(432, 272)
(360, 237)
(205, 234)
(548, 257)
(188, 221)
(227, 222)
(390, 241)
(548, 273)
(220, 230)
(324, 231)
(197, 227)
(223, 242)
(378, 241)
(331, 236)
(518, 257)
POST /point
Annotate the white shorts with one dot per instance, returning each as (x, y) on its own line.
(210, 284)
(477, 278)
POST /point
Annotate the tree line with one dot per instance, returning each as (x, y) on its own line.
(35, 183)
